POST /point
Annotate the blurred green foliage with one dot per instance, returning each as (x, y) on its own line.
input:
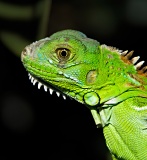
(25, 21)
(19, 16)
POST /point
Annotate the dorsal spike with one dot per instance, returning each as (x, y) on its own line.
(135, 59)
(124, 53)
(129, 54)
(126, 57)
(138, 65)
(144, 69)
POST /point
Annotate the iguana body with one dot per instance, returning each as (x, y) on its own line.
(108, 81)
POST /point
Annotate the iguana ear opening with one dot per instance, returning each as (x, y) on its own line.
(91, 99)
(91, 76)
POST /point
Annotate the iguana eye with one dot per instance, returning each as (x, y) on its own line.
(63, 54)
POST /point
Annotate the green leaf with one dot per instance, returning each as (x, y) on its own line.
(14, 42)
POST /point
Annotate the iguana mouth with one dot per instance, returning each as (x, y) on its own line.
(45, 85)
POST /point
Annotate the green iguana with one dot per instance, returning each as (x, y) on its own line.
(111, 83)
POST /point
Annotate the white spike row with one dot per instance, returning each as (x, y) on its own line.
(34, 81)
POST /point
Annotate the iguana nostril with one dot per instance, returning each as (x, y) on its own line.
(25, 52)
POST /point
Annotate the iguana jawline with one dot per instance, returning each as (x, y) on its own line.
(34, 80)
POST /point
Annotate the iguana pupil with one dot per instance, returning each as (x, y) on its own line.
(63, 54)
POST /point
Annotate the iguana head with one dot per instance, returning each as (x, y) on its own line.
(74, 65)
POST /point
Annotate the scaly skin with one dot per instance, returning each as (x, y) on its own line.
(105, 79)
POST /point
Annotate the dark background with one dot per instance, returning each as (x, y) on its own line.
(34, 124)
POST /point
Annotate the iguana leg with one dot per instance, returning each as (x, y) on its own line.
(96, 118)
